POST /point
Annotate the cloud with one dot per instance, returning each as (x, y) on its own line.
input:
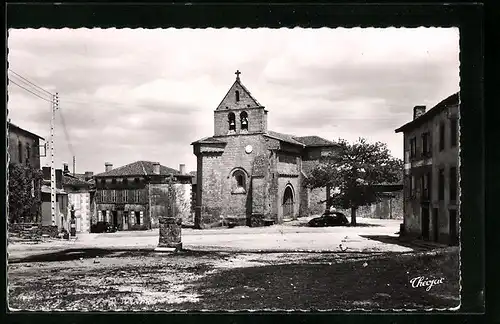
(132, 94)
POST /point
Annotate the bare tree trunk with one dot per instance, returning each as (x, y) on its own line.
(353, 216)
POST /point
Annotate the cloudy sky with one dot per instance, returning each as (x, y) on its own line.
(129, 95)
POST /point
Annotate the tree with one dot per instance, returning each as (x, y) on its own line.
(352, 172)
(24, 197)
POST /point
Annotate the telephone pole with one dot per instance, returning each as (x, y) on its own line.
(55, 106)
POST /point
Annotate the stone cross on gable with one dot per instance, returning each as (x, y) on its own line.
(237, 74)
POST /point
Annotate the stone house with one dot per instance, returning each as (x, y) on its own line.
(132, 197)
(249, 174)
(81, 192)
(431, 155)
(24, 148)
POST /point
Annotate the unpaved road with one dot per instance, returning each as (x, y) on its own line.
(99, 279)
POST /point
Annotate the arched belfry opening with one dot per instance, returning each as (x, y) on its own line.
(231, 118)
(244, 120)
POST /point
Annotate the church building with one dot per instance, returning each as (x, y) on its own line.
(250, 175)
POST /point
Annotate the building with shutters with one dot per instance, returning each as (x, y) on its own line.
(431, 180)
(132, 197)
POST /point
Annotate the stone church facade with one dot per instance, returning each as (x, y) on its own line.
(250, 175)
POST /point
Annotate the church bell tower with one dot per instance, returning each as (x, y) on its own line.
(239, 112)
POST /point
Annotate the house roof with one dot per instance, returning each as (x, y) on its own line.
(138, 168)
(46, 189)
(13, 126)
(209, 140)
(70, 180)
(452, 100)
(284, 138)
(314, 141)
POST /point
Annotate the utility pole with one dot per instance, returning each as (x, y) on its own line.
(55, 106)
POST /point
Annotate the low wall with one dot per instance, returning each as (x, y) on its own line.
(31, 231)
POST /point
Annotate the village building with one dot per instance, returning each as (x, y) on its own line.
(62, 220)
(24, 149)
(251, 175)
(431, 156)
(81, 192)
(133, 197)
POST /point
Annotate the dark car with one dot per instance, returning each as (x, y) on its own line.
(103, 227)
(329, 219)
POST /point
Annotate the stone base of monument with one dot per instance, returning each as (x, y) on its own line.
(170, 235)
(167, 249)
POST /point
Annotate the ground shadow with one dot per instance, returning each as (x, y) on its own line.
(87, 253)
(417, 245)
(379, 283)
(348, 225)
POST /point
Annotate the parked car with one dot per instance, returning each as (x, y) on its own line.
(103, 227)
(329, 219)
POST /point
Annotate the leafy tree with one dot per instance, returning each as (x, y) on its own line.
(24, 196)
(351, 173)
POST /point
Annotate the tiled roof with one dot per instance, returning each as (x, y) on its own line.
(452, 100)
(69, 180)
(139, 168)
(10, 125)
(314, 141)
(283, 137)
(46, 189)
(208, 140)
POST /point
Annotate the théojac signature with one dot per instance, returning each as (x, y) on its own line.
(425, 282)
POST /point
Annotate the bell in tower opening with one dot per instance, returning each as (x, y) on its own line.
(232, 122)
(244, 120)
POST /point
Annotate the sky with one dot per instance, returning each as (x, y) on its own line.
(138, 94)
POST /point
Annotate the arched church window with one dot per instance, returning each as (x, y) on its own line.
(244, 120)
(237, 95)
(232, 121)
(239, 182)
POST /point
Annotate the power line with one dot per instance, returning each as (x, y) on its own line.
(28, 81)
(25, 84)
(20, 86)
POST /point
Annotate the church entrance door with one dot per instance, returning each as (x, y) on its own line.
(288, 203)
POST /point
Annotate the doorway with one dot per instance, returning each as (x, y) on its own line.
(114, 220)
(425, 223)
(288, 203)
(125, 220)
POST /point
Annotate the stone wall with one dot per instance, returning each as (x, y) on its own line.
(31, 231)
(387, 208)
(217, 199)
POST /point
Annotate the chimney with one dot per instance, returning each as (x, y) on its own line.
(182, 168)
(418, 111)
(156, 167)
(65, 168)
(108, 166)
(88, 175)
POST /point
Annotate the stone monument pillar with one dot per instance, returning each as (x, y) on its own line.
(170, 227)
